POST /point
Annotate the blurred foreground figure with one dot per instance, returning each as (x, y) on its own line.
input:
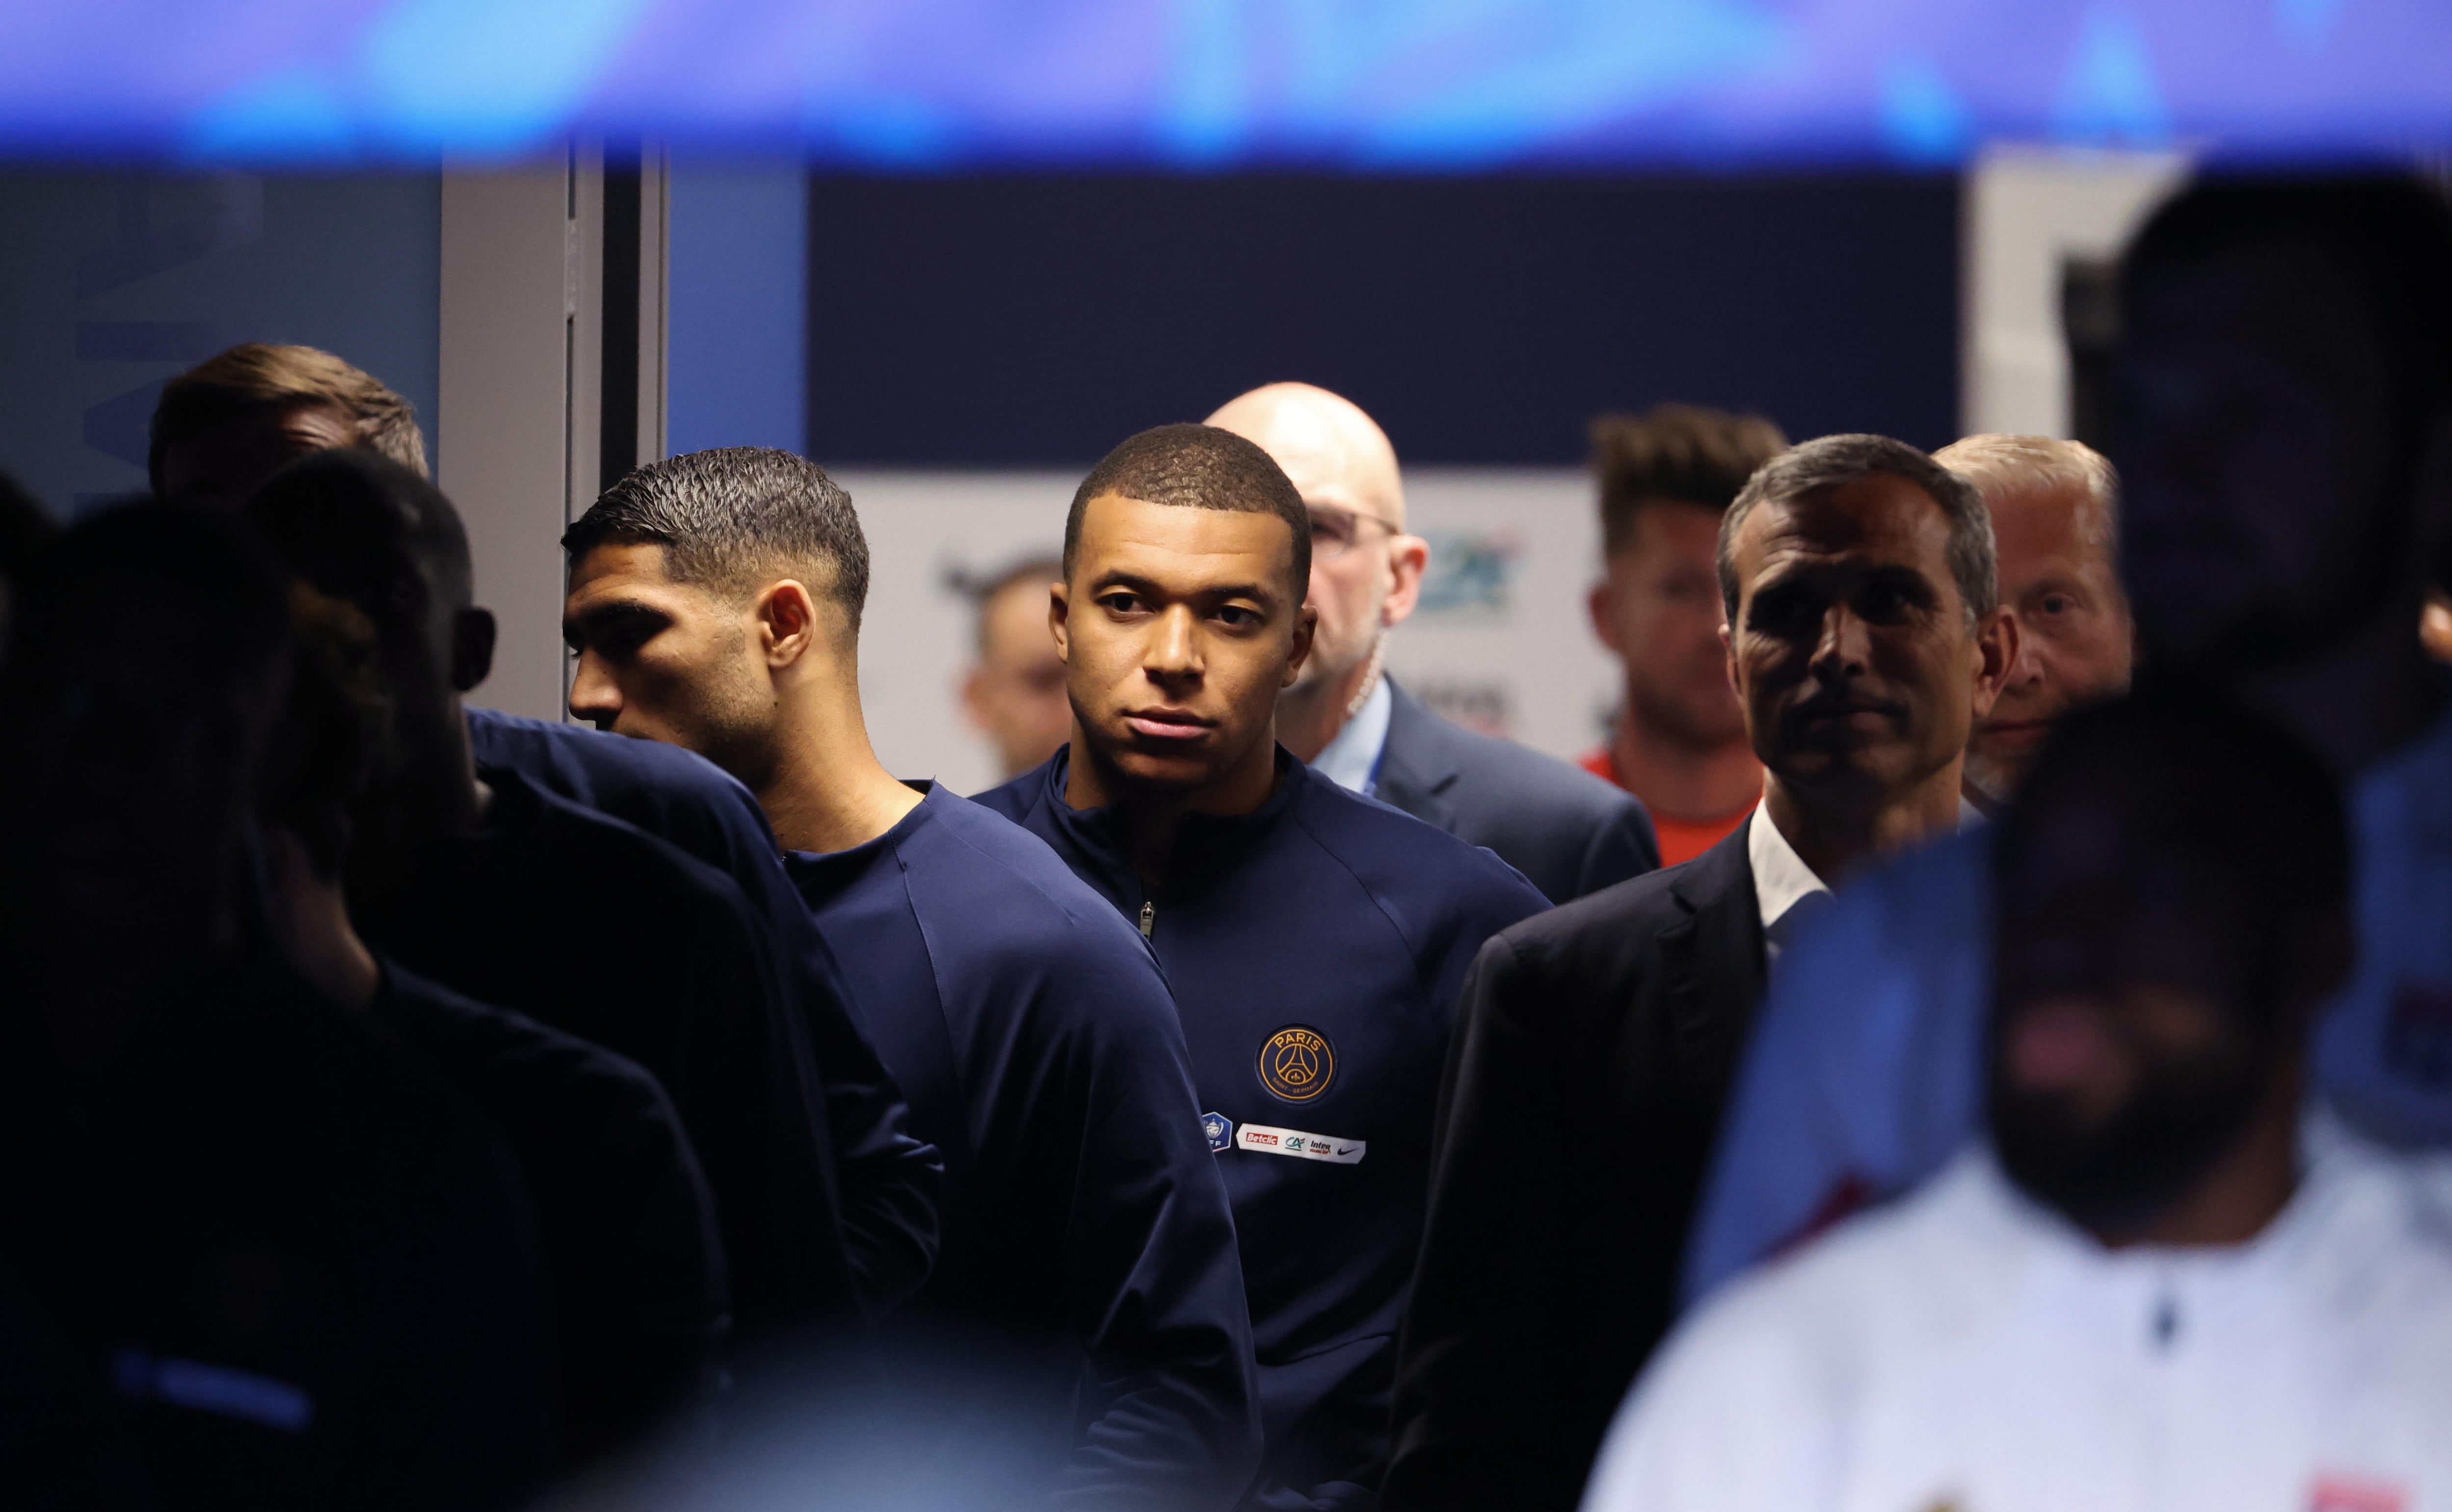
(223, 426)
(715, 601)
(1679, 740)
(1015, 693)
(1596, 1043)
(2055, 507)
(258, 1253)
(507, 892)
(2282, 423)
(1568, 836)
(1314, 941)
(2157, 1284)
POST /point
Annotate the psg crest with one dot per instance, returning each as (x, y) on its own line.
(1296, 1064)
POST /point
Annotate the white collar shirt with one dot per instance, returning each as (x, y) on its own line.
(1968, 1349)
(1351, 760)
(1782, 881)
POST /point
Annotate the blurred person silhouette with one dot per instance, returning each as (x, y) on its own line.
(1863, 638)
(518, 899)
(279, 1261)
(2162, 1279)
(1314, 940)
(625, 1224)
(2055, 507)
(1014, 694)
(715, 601)
(225, 425)
(2281, 418)
(24, 528)
(1678, 739)
(1347, 717)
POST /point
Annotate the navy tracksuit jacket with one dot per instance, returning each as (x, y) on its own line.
(1316, 948)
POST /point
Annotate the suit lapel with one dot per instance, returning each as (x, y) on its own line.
(1413, 776)
(1712, 964)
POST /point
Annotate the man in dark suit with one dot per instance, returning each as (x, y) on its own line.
(1569, 832)
(1595, 1043)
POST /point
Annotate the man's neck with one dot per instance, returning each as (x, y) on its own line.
(826, 790)
(314, 916)
(1152, 814)
(1677, 780)
(1310, 714)
(2358, 700)
(1833, 834)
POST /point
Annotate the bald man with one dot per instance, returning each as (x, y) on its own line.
(1568, 831)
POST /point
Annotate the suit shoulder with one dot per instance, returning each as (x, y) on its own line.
(1527, 775)
(1608, 925)
(1396, 855)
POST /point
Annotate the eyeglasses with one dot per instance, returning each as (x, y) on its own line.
(1334, 531)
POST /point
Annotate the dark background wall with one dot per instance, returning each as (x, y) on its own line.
(1016, 320)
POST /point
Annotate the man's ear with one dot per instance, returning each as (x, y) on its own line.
(472, 648)
(1409, 557)
(1597, 605)
(1060, 619)
(787, 613)
(1729, 658)
(1306, 626)
(1995, 653)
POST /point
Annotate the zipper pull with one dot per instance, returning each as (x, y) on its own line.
(1149, 919)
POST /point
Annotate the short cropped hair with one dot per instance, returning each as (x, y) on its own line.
(1831, 462)
(1674, 454)
(2035, 464)
(256, 376)
(1195, 467)
(730, 518)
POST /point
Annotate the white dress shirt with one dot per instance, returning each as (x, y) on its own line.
(1968, 1349)
(1782, 881)
(1351, 760)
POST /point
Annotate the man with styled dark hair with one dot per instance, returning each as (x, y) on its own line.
(505, 891)
(714, 602)
(1355, 724)
(2165, 1278)
(1665, 479)
(1315, 939)
(1863, 640)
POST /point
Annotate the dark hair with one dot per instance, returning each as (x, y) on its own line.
(358, 527)
(1674, 454)
(1829, 461)
(2184, 770)
(730, 516)
(255, 377)
(1195, 467)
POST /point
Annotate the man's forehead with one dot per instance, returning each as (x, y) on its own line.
(611, 568)
(1175, 541)
(1880, 515)
(2050, 521)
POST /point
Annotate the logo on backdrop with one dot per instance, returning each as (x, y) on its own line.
(1297, 1063)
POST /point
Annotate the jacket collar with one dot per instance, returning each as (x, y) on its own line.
(1712, 959)
(1204, 844)
(1415, 768)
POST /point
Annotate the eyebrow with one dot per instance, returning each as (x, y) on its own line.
(1150, 589)
(610, 612)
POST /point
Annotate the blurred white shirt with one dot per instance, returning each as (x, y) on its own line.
(1968, 1350)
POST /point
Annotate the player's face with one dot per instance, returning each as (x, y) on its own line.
(1852, 651)
(219, 468)
(1178, 627)
(2074, 642)
(1659, 612)
(669, 661)
(2123, 1053)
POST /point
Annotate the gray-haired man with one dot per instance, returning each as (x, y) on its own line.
(1595, 1043)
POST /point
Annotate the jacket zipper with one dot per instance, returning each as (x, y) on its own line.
(1149, 918)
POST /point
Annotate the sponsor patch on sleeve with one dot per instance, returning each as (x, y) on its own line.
(1220, 1131)
(1264, 1140)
